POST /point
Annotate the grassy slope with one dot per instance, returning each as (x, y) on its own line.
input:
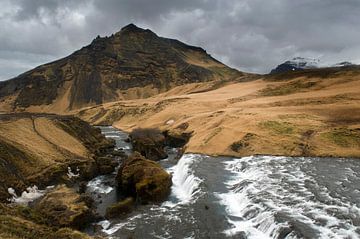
(38, 149)
(307, 113)
(20, 222)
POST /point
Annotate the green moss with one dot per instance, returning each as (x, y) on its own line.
(30, 214)
(343, 137)
(282, 128)
(120, 208)
(21, 222)
(243, 143)
(143, 179)
(288, 88)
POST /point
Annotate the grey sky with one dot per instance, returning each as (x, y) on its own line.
(250, 35)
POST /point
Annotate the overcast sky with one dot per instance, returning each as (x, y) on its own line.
(250, 35)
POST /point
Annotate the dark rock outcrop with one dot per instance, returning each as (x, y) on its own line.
(149, 142)
(143, 179)
(176, 138)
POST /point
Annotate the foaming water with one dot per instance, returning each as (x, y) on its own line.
(251, 197)
(282, 197)
(29, 195)
(162, 219)
(185, 183)
(99, 185)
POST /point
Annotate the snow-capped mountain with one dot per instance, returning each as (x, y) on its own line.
(297, 63)
(302, 63)
(342, 64)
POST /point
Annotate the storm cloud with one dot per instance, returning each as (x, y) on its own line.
(250, 35)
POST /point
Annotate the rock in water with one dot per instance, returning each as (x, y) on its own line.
(149, 143)
(120, 208)
(63, 207)
(144, 179)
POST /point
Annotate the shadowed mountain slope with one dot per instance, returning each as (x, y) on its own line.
(131, 64)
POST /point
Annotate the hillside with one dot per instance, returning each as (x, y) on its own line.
(304, 113)
(38, 149)
(131, 64)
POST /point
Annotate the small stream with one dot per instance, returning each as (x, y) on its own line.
(249, 197)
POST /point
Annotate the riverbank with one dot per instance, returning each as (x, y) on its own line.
(43, 158)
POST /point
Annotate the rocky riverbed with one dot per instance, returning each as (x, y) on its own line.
(249, 197)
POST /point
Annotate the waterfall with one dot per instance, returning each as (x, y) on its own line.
(185, 184)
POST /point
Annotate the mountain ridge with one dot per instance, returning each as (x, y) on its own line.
(303, 63)
(130, 64)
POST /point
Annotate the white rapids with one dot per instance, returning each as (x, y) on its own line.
(27, 196)
(271, 197)
(185, 184)
(185, 190)
(257, 197)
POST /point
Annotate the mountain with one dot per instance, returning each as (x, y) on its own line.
(133, 63)
(297, 63)
(343, 64)
(301, 63)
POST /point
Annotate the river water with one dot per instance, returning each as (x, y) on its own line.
(249, 197)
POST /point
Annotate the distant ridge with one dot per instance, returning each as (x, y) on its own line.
(302, 63)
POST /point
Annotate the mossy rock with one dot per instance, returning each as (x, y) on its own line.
(106, 165)
(22, 222)
(149, 142)
(176, 138)
(63, 207)
(144, 179)
(120, 208)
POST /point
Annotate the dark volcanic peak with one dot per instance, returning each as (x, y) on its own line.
(133, 28)
(133, 63)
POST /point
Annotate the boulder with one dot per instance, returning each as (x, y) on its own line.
(144, 179)
(64, 207)
(106, 165)
(149, 142)
(176, 138)
(120, 208)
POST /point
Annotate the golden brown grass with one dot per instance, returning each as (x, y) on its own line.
(279, 114)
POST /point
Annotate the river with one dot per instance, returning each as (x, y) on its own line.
(250, 197)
